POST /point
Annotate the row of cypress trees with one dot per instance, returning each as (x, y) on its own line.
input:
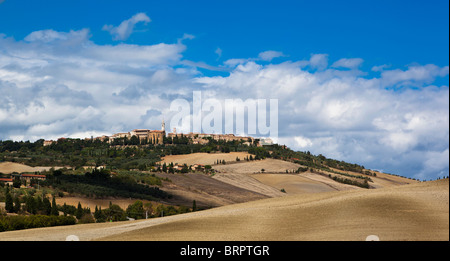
(32, 205)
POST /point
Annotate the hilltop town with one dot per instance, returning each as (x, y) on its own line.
(146, 136)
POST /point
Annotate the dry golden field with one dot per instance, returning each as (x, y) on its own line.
(203, 158)
(103, 203)
(409, 212)
(10, 167)
(413, 212)
(249, 205)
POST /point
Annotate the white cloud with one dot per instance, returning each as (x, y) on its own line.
(414, 75)
(345, 116)
(266, 56)
(136, 55)
(269, 55)
(234, 62)
(351, 63)
(47, 36)
(125, 29)
(379, 68)
(218, 51)
(319, 61)
(185, 37)
(49, 80)
(303, 142)
(437, 161)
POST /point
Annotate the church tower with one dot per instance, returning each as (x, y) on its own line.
(163, 125)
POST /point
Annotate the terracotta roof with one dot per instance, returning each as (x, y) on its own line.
(6, 179)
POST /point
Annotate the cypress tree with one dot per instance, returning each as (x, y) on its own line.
(30, 205)
(47, 206)
(54, 209)
(79, 212)
(16, 205)
(194, 205)
(9, 202)
(39, 204)
(64, 208)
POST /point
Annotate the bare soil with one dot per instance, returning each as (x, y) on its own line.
(205, 190)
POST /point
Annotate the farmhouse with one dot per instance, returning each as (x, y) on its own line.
(6, 181)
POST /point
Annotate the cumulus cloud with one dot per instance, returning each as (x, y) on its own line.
(269, 55)
(303, 142)
(60, 83)
(125, 29)
(234, 62)
(348, 117)
(57, 84)
(49, 35)
(351, 63)
(266, 56)
(415, 75)
(379, 68)
(319, 61)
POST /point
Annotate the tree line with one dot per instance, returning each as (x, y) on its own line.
(99, 183)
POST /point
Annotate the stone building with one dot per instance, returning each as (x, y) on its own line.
(151, 136)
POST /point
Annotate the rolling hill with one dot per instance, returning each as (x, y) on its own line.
(411, 212)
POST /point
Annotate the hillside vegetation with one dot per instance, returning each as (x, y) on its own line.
(175, 177)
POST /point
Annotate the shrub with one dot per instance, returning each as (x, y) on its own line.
(86, 218)
(136, 210)
(9, 223)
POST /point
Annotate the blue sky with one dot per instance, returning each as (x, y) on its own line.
(382, 32)
(361, 81)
